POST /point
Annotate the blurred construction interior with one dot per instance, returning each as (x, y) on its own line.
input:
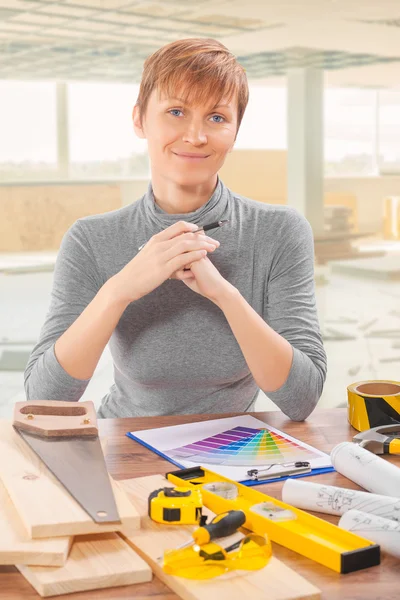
(321, 132)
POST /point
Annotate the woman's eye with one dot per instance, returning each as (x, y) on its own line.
(218, 117)
(175, 110)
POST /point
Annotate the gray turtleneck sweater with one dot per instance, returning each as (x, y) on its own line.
(173, 350)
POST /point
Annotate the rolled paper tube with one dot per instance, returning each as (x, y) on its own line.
(368, 470)
(334, 500)
(382, 531)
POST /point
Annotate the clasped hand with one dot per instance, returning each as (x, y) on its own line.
(166, 256)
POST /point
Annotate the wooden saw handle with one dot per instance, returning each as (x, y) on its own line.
(51, 418)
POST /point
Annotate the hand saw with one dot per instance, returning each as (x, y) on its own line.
(65, 437)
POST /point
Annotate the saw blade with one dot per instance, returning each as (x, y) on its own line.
(78, 464)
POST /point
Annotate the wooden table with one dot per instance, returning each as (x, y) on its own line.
(126, 458)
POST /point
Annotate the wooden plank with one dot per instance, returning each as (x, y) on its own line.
(43, 504)
(384, 267)
(95, 562)
(326, 238)
(15, 545)
(275, 582)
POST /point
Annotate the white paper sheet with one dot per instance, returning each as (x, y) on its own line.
(382, 531)
(333, 500)
(366, 469)
(171, 440)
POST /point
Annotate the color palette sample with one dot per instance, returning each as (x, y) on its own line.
(243, 446)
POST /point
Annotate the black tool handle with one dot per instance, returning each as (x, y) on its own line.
(221, 526)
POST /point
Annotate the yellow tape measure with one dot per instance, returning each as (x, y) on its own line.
(178, 505)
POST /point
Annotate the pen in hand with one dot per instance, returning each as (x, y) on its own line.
(203, 228)
(211, 226)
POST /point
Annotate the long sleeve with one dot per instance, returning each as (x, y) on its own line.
(290, 309)
(76, 282)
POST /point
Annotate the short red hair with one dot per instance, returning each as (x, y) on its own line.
(200, 69)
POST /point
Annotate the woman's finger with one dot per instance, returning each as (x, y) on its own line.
(175, 230)
(181, 274)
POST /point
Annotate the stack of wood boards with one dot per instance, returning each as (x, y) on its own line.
(48, 536)
(338, 219)
(386, 267)
(337, 240)
(337, 245)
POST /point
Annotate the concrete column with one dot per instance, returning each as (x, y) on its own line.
(62, 130)
(305, 162)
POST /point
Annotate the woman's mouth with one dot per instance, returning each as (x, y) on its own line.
(192, 157)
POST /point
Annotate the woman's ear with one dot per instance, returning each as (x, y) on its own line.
(137, 125)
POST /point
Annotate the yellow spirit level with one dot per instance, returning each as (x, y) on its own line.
(286, 525)
(179, 505)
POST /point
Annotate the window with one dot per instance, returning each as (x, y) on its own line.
(361, 130)
(389, 131)
(264, 122)
(350, 125)
(102, 142)
(28, 130)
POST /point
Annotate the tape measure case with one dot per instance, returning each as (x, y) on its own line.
(178, 505)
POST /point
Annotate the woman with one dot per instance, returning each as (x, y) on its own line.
(195, 323)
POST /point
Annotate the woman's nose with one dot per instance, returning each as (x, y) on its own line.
(195, 133)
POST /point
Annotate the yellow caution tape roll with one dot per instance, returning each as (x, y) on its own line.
(373, 403)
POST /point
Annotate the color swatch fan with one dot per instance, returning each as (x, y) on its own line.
(232, 446)
(243, 446)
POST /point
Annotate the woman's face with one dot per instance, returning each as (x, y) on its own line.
(173, 129)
